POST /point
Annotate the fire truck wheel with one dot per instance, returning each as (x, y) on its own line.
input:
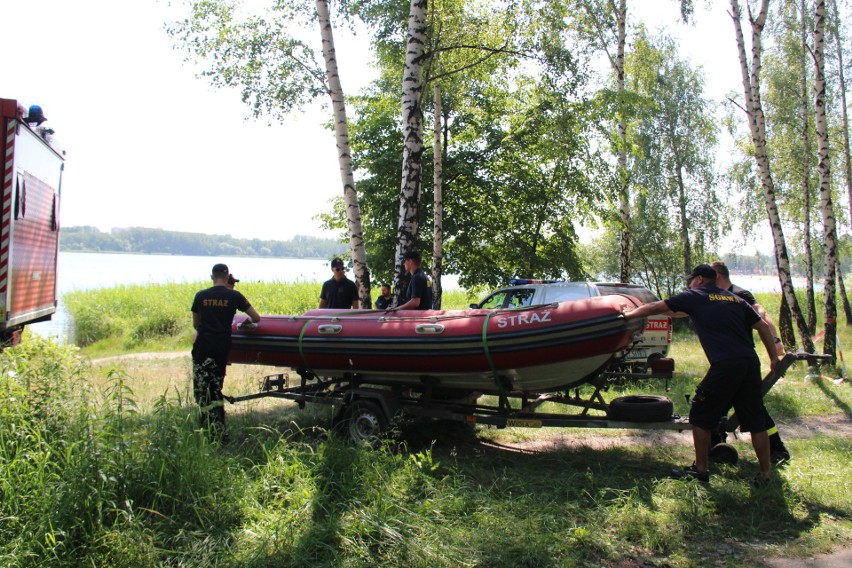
(641, 408)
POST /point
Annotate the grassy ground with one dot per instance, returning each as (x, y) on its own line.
(100, 464)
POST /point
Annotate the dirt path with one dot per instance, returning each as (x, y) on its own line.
(833, 425)
(142, 357)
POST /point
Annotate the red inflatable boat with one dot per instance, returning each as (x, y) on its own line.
(536, 348)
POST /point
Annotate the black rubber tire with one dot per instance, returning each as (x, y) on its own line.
(724, 453)
(641, 408)
(365, 422)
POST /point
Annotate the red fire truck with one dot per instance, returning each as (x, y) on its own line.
(29, 235)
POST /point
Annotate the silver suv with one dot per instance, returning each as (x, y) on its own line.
(654, 342)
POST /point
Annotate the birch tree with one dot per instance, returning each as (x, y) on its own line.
(605, 25)
(824, 168)
(806, 168)
(437, 199)
(847, 153)
(344, 157)
(412, 153)
(675, 136)
(277, 72)
(847, 157)
(750, 71)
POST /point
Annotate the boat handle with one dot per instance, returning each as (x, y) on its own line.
(429, 329)
(330, 329)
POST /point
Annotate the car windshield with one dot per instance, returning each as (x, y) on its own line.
(514, 298)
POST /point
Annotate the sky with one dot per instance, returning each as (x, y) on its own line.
(150, 144)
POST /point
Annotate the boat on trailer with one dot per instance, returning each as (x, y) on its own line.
(538, 348)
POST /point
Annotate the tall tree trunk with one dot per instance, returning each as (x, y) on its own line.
(843, 108)
(344, 158)
(806, 171)
(751, 88)
(412, 153)
(684, 221)
(844, 299)
(623, 177)
(785, 324)
(438, 237)
(824, 168)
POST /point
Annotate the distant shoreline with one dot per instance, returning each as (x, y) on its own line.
(191, 255)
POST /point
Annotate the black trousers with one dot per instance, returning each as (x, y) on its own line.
(209, 359)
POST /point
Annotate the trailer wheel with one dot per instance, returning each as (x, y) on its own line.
(641, 408)
(724, 453)
(365, 422)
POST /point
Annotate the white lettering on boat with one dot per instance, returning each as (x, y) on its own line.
(524, 319)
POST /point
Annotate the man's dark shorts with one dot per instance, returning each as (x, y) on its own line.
(730, 383)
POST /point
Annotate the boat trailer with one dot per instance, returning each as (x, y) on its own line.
(365, 410)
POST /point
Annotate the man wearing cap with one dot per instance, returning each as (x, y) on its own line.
(418, 295)
(778, 452)
(338, 292)
(723, 323)
(232, 282)
(213, 312)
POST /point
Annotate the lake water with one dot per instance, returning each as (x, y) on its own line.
(85, 271)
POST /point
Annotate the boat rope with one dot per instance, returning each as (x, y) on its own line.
(488, 358)
(301, 345)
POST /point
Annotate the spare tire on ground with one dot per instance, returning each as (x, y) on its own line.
(641, 408)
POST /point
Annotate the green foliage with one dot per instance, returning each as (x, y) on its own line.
(159, 241)
(261, 53)
(679, 216)
(88, 478)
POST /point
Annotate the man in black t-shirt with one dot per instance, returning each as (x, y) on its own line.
(723, 323)
(777, 450)
(418, 295)
(338, 292)
(384, 301)
(213, 312)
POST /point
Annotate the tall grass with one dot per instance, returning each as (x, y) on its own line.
(87, 478)
(157, 316)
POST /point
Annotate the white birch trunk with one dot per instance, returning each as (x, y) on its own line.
(751, 89)
(412, 153)
(438, 237)
(824, 169)
(806, 172)
(344, 158)
(623, 177)
(847, 158)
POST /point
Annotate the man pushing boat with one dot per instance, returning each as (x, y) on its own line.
(723, 323)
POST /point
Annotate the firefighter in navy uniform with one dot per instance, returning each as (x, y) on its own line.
(778, 451)
(338, 292)
(213, 312)
(723, 323)
(418, 295)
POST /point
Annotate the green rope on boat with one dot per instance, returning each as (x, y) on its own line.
(301, 336)
(312, 319)
(488, 358)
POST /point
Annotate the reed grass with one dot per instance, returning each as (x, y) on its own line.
(101, 464)
(156, 317)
